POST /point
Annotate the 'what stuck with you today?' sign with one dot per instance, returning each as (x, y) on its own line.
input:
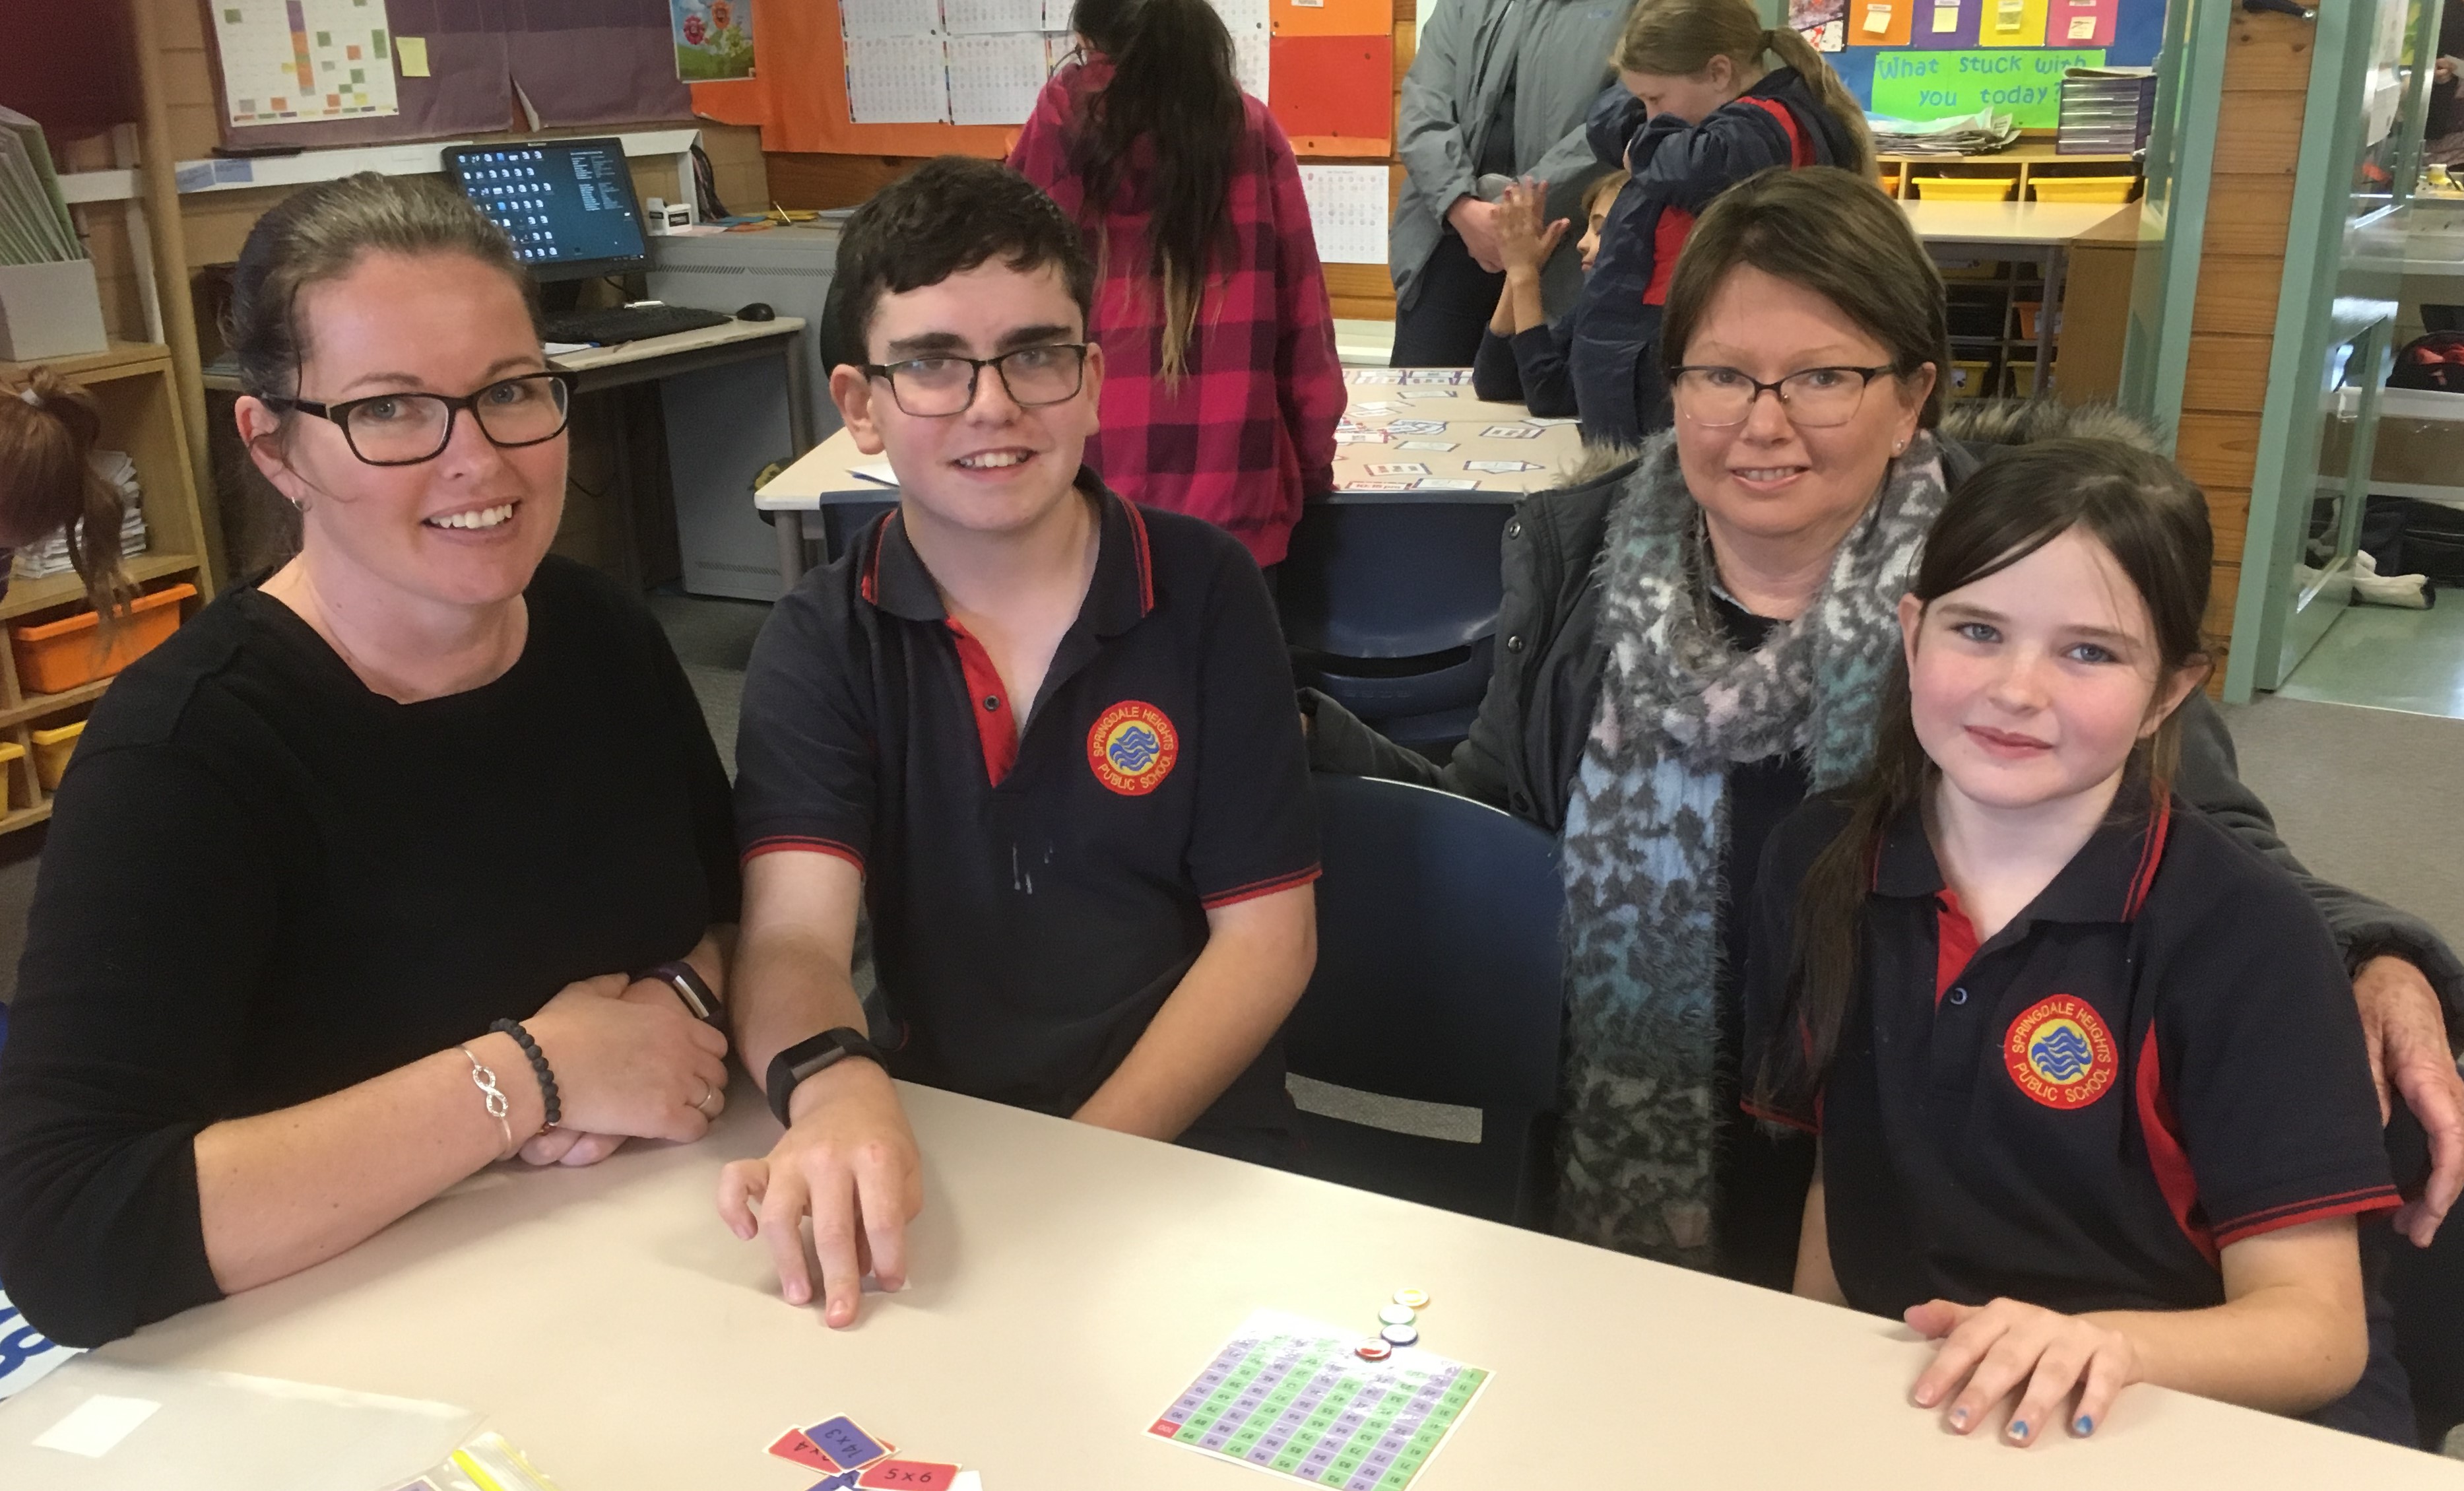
(2025, 83)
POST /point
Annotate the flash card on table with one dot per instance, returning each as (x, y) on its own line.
(1501, 467)
(908, 1475)
(1360, 437)
(1424, 445)
(1545, 422)
(1446, 484)
(1373, 408)
(850, 1448)
(1426, 393)
(1416, 427)
(1377, 486)
(1510, 432)
(793, 1445)
(1374, 375)
(1397, 468)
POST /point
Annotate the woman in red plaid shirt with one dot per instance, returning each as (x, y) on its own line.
(1222, 390)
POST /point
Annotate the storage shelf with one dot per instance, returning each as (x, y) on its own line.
(62, 589)
(119, 360)
(38, 706)
(27, 817)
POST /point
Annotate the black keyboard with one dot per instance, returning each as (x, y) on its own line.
(616, 324)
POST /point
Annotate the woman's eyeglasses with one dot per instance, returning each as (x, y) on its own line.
(406, 429)
(1814, 398)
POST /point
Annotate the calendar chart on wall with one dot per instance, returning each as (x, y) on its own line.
(298, 61)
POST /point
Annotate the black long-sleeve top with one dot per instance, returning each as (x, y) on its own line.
(265, 884)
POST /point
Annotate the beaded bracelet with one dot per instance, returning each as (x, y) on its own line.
(554, 1111)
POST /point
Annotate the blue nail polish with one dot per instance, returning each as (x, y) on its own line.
(2018, 1429)
(2085, 1426)
(1959, 1415)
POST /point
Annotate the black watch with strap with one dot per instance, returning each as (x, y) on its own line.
(692, 988)
(791, 1066)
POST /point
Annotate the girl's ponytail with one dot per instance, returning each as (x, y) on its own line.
(1794, 51)
(48, 484)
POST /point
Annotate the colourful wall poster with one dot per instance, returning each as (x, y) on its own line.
(1822, 23)
(713, 40)
(1879, 22)
(2010, 23)
(1946, 25)
(2080, 23)
(2026, 85)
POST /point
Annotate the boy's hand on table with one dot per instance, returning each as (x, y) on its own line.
(849, 1161)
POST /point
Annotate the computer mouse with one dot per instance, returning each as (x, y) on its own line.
(758, 310)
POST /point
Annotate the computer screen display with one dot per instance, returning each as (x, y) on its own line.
(567, 204)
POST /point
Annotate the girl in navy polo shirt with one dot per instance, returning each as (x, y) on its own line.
(2090, 1084)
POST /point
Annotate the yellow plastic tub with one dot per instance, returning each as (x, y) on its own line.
(1964, 188)
(2083, 189)
(10, 754)
(2023, 385)
(52, 751)
(1967, 380)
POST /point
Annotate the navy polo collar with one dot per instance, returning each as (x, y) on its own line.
(2106, 880)
(1120, 595)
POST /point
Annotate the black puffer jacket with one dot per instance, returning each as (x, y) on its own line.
(1527, 740)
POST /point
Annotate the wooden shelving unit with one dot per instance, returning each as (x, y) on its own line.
(132, 381)
(2022, 165)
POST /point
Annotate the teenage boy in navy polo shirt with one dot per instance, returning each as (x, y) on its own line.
(1045, 735)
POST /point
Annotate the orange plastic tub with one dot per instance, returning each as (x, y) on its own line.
(57, 656)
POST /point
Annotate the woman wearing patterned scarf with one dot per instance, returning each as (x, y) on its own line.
(1692, 643)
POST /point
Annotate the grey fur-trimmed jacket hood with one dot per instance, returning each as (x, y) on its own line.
(1527, 740)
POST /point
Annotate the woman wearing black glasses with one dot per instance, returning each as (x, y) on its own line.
(1694, 641)
(404, 859)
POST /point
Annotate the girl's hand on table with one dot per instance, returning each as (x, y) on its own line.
(1988, 1352)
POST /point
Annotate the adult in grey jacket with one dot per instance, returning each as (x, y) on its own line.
(1498, 90)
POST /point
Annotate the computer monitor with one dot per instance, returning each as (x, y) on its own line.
(567, 204)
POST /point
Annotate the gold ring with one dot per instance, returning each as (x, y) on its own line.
(701, 1104)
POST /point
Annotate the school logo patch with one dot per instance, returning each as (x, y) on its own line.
(2060, 1053)
(1132, 747)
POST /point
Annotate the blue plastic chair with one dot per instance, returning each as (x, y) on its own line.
(1389, 603)
(1439, 980)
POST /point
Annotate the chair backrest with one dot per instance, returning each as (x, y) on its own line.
(1393, 578)
(1439, 966)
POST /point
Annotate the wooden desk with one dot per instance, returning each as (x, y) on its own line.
(1378, 398)
(2039, 232)
(1069, 1282)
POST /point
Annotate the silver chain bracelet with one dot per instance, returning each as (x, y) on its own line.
(498, 1105)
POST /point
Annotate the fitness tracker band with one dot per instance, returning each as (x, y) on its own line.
(791, 1066)
(693, 989)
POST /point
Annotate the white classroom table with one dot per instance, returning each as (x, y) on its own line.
(825, 476)
(1069, 1282)
(2038, 232)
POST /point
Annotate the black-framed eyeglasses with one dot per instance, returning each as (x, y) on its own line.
(406, 429)
(1814, 398)
(933, 387)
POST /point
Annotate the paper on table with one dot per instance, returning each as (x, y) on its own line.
(1346, 211)
(879, 18)
(878, 471)
(897, 80)
(292, 61)
(984, 17)
(95, 1427)
(994, 80)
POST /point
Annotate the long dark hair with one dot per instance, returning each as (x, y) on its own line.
(1171, 84)
(48, 485)
(2153, 519)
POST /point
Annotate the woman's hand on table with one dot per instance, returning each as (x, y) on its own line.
(629, 1062)
(849, 1161)
(1989, 1351)
(1525, 235)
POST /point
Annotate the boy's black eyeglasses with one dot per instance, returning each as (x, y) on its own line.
(406, 429)
(931, 387)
